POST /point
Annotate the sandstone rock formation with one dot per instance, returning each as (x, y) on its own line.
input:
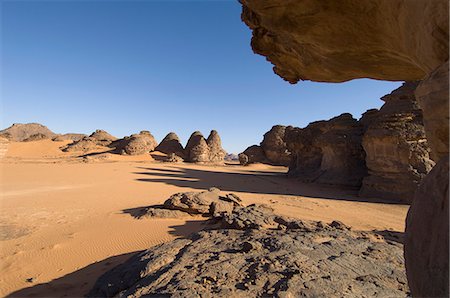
(18, 132)
(36, 137)
(69, 137)
(84, 145)
(328, 152)
(335, 41)
(253, 154)
(136, 144)
(200, 150)
(103, 138)
(231, 157)
(266, 255)
(209, 202)
(216, 152)
(397, 154)
(171, 144)
(274, 146)
(172, 157)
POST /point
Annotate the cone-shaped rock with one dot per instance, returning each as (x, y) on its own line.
(103, 137)
(171, 144)
(216, 152)
(197, 149)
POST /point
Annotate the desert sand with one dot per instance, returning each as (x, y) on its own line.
(67, 219)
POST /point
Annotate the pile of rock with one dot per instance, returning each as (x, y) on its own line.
(136, 144)
(98, 140)
(255, 253)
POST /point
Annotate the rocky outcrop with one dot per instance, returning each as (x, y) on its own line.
(253, 154)
(231, 157)
(274, 146)
(19, 132)
(397, 154)
(328, 152)
(171, 145)
(86, 144)
(103, 138)
(216, 152)
(136, 144)
(335, 41)
(260, 254)
(69, 137)
(200, 150)
(36, 137)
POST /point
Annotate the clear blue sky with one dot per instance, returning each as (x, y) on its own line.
(181, 66)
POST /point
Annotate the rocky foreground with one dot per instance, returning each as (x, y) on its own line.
(251, 252)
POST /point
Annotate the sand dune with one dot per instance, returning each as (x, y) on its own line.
(65, 220)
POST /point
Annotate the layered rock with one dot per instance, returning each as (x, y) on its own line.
(136, 144)
(98, 140)
(328, 152)
(36, 137)
(19, 132)
(69, 137)
(201, 150)
(253, 154)
(397, 153)
(274, 146)
(171, 145)
(260, 254)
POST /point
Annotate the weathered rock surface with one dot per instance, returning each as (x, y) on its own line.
(253, 154)
(231, 157)
(197, 149)
(69, 137)
(19, 132)
(426, 237)
(299, 259)
(397, 154)
(103, 138)
(171, 145)
(36, 137)
(274, 146)
(136, 144)
(161, 212)
(200, 202)
(216, 152)
(172, 157)
(336, 41)
(86, 144)
(328, 152)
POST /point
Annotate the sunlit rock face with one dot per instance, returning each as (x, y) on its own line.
(328, 152)
(274, 146)
(336, 41)
(404, 40)
(397, 153)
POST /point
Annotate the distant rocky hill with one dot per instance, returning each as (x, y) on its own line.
(19, 132)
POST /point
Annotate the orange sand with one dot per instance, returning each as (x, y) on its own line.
(64, 220)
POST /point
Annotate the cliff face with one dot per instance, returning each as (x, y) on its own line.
(328, 152)
(397, 153)
(335, 41)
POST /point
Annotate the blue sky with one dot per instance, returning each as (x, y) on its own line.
(181, 66)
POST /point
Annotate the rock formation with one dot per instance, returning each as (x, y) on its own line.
(36, 137)
(69, 137)
(200, 150)
(103, 138)
(136, 144)
(84, 145)
(336, 41)
(231, 157)
(260, 254)
(216, 152)
(171, 144)
(274, 146)
(328, 152)
(19, 132)
(397, 154)
(272, 150)
(253, 154)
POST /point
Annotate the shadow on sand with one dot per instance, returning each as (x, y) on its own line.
(256, 182)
